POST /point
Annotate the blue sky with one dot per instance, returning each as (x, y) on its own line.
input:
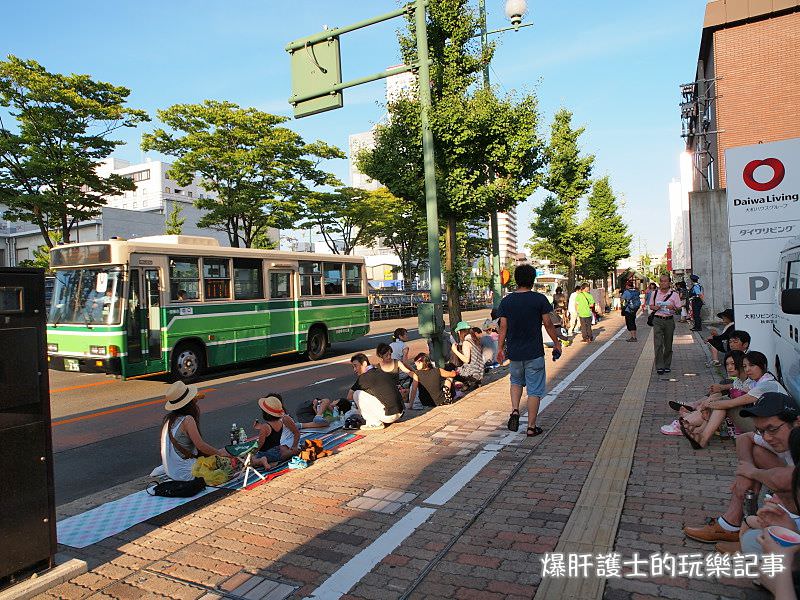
(615, 65)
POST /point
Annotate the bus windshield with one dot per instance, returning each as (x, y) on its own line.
(87, 296)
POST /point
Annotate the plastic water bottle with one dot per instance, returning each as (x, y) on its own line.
(336, 414)
(242, 435)
(234, 433)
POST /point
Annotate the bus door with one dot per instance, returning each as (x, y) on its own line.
(152, 325)
(283, 313)
(133, 323)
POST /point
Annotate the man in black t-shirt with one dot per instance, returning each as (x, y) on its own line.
(522, 314)
(375, 393)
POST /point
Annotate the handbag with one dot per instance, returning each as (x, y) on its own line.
(652, 316)
(178, 489)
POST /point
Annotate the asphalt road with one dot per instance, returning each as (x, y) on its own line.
(105, 431)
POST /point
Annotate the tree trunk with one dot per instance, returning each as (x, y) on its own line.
(65, 229)
(453, 304)
(571, 280)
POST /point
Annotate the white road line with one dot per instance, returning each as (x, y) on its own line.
(464, 475)
(293, 371)
(354, 570)
(321, 381)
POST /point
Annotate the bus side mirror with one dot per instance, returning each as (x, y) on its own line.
(790, 301)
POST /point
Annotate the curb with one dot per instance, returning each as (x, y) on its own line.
(41, 582)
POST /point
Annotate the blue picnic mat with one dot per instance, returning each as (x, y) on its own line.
(110, 518)
(113, 517)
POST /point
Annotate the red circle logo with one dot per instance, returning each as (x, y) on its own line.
(778, 172)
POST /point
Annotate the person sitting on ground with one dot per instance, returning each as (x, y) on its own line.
(719, 340)
(488, 337)
(399, 346)
(318, 413)
(271, 450)
(375, 394)
(397, 369)
(763, 460)
(181, 440)
(472, 368)
(435, 386)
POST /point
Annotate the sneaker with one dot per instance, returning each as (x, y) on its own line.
(667, 370)
(673, 428)
(660, 371)
(711, 532)
(375, 427)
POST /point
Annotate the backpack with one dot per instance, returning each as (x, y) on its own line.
(633, 304)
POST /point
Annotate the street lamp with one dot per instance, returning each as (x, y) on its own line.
(515, 10)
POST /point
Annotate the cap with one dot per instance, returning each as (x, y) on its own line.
(694, 278)
(728, 312)
(461, 326)
(771, 404)
(272, 406)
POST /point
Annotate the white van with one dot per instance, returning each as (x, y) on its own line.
(787, 323)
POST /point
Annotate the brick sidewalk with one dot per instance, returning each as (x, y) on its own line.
(286, 538)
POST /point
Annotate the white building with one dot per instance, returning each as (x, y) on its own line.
(356, 143)
(507, 234)
(400, 85)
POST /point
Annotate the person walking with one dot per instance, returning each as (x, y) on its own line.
(584, 304)
(631, 303)
(665, 304)
(696, 301)
(573, 311)
(522, 314)
(648, 295)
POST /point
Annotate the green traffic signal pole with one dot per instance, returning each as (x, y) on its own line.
(431, 204)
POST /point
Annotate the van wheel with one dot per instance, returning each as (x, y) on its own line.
(188, 362)
(317, 343)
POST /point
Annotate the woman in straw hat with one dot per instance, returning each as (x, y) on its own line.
(275, 432)
(181, 441)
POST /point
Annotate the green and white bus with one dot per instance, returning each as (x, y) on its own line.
(180, 304)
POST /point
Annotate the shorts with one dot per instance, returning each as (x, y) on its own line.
(272, 455)
(529, 373)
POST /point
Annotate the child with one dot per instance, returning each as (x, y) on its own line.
(719, 341)
(271, 450)
(318, 413)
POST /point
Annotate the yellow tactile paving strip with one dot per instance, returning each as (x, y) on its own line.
(592, 525)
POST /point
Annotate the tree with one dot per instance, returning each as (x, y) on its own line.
(174, 222)
(556, 231)
(48, 161)
(341, 217)
(402, 227)
(258, 171)
(41, 255)
(604, 233)
(488, 152)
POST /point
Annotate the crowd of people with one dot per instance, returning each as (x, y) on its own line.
(749, 406)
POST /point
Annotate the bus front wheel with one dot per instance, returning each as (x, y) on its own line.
(188, 362)
(317, 343)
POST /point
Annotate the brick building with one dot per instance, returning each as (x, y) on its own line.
(746, 91)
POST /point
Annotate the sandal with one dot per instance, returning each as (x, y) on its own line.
(677, 405)
(692, 441)
(513, 420)
(534, 431)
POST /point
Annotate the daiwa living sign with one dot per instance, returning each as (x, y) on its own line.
(763, 215)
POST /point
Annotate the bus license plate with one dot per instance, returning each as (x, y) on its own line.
(71, 364)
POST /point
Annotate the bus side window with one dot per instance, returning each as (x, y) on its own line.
(280, 286)
(793, 275)
(310, 279)
(353, 278)
(184, 279)
(247, 279)
(333, 279)
(216, 278)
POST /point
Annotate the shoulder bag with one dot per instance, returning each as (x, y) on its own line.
(652, 317)
(178, 489)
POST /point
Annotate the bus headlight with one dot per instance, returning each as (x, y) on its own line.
(52, 347)
(99, 350)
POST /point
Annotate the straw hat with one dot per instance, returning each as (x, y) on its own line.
(179, 395)
(272, 406)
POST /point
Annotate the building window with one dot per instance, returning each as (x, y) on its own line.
(190, 194)
(184, 279)
(248, 281)
(135, 205)
(216, 278)
(166, 190)
(310, 279)
(178, 191)
(280, 286)
(353, 279)
(333, 278)
(138, 175)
